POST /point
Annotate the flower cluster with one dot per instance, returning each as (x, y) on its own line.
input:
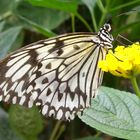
(124, 62)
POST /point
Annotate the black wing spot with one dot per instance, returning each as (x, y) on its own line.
(59, 52)
(33, 55)
(60, 95)
(38, 74)
(83, 74)
(49, 66)
(72, 94)
(52, 49)
(44, 81)
(76, 47)
(39, 65)
(49, 92)
(59, 43)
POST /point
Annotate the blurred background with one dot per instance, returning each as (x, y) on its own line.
(23, 22)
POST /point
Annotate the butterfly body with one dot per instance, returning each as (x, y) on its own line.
(59, 74)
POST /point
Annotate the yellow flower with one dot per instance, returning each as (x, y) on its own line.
(124, 62)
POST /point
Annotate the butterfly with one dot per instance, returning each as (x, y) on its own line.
(59, 74)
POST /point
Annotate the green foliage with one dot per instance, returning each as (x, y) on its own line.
(113, 112)
(6, 133)
(7, 39)
(27, 122)
(71, 6)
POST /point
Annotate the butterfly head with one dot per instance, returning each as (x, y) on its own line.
(105, 37)
(107, 27)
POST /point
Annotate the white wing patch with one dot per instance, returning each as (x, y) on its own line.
(60, 75)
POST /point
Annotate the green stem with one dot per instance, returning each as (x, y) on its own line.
(102, 19)
(104, 12)
(102, 8)
(94, 21)
(135, 86)
(55, 130)
(84, 22)
(62, 129)
(98, 134)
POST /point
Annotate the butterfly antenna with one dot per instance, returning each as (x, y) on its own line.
(114, 56)
(116, 39)
(125, 38)
(127, 13)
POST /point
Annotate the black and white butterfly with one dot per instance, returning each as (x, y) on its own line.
(59, 74)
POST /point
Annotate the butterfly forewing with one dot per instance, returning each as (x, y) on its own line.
(60, 75)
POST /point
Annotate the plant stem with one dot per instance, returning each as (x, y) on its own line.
(102, 8)
(97, 134)
(61, 130)
(55, 130)
(102, 19)
(135, 86)
(104, 12)
(94, 21)
(84, 22)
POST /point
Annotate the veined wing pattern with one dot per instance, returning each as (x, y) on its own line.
(59, 74)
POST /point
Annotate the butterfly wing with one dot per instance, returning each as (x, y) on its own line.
(58, 74)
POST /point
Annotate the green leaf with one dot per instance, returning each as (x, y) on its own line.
(18, 42)
(41, 18)
(6, 133)
(67, 6)
(90, 4)
(5, 6)
(41, 29)
(114, 112)
(26, 121)
(7, 38)
(2, 23)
